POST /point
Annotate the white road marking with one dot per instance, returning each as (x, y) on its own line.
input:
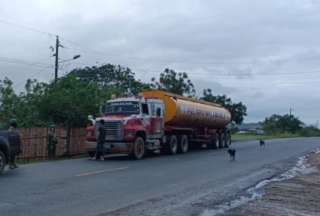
(101, 171)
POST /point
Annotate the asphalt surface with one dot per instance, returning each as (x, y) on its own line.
(158, 185)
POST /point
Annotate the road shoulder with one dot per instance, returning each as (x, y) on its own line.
(299, 195)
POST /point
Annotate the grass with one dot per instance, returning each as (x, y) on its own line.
(247, 137)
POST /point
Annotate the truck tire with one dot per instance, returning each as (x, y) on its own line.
(183, 144)
(173, 145)
(138, 149)
(2, 162)
(213, 143)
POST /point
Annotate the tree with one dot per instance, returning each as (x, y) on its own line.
(69, 101)
(238, 110)
(282, 123)
(28, 113)
(109, 76)
(174, 82)
(9, 101)
(22, 107)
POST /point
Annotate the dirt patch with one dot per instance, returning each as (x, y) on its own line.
(298, 196)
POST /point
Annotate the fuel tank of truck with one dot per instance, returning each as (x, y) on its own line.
(187, 112)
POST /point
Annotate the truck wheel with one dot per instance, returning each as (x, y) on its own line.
(173, 144)
(183, 144)
(213, 144)
(138, 149)
(2, 162)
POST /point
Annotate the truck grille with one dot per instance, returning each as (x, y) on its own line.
(113, 130)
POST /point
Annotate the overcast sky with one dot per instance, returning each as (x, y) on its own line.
(265, 53)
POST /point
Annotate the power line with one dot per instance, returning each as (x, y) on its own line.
(96, 52)
(87, 49)
(57, 46)
(212, 62)
(23, 62)
(26, 27)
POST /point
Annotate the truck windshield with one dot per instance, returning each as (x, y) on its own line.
(126, 107)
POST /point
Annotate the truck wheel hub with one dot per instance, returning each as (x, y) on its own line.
(139, 148)
(173, 145)
(185, 146)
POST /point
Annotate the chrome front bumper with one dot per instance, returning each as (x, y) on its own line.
(115, 147)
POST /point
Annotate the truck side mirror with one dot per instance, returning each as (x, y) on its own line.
(92, 119)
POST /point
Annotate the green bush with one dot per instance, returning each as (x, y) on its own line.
(309, 131)
(2, 126)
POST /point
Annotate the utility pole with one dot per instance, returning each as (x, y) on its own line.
(290, 111)
(56, 55)
(56, 65)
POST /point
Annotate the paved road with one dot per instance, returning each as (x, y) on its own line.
(161, 185)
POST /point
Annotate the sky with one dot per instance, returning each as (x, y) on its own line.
(264, 53)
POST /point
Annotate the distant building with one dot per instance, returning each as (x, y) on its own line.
(255, 128)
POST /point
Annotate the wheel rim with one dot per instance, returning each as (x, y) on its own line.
(216, 143)
(139, 148)
(173, 145)
(184, 144)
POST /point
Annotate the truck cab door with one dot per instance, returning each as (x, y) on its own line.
(156, 121)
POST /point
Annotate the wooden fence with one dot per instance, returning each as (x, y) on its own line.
(35, 143)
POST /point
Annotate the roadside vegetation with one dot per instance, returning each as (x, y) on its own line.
(279, 126)
(81, 92)
(251, 136)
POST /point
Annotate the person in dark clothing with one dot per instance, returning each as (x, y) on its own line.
(100, 140)
(13, 153)
(52, 142)
(12, 161)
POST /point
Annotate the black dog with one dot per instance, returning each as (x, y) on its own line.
(262, 143)
(232, 154)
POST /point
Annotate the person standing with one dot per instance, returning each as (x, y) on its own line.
(100, 140)
(52, 142)
(14, 152)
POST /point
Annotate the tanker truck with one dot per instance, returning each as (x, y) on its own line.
(158, 121)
